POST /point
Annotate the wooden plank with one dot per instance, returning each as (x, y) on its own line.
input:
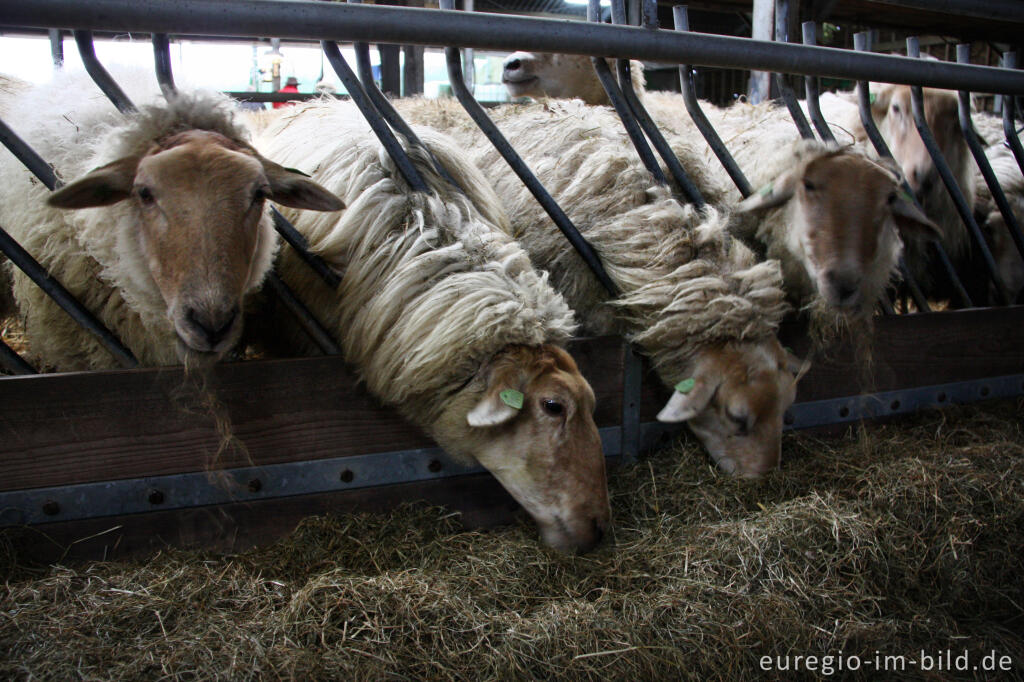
(62, 429)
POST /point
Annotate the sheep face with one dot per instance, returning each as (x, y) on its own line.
(845, 214)
(894, 116)
(544, 74)
(198, 203)
(734, 403)
(527, 418)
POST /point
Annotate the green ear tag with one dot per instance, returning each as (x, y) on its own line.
(766, 190)
(906, 196)
(512, 398)
(872, 97)
(686, 385)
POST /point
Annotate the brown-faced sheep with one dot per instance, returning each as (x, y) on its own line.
(691, 297)
(562, 76)
(444, 317)
(174, 230)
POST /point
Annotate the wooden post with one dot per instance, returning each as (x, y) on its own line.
(762, 28)
(412, 70)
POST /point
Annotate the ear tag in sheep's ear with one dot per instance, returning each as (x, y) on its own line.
(905, 195)
(872, 97)
(686, 385)
(512, 398)
(766, 190)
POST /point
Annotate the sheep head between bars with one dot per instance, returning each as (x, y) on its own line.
(199, 198)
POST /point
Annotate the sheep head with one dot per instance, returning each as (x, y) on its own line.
(734, 402)
(845, 217)
(199, 203)
(527, 417)
(546, 74)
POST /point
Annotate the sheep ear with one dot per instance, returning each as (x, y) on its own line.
(689, 399)
(101, 186)
(880, 99)
(775, 193)
(911, 221)
(293, 188)
(502, 400)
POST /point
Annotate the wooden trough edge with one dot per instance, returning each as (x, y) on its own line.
(123, 431)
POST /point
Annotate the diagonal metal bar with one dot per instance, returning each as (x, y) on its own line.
(29, 158)
(1009, 109)
(377, 123)
(682, 23)
(309, 324)
(966, 212)
(14, 363)
(301, 246)
(810, 30)
(788, 96)
(107, 84)
(519, 167)
(963, 56)
(162, 59)
(643, 118)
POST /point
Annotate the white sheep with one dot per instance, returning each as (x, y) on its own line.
(547, 74)
(444, 317)
(691, 297)
(174, 230)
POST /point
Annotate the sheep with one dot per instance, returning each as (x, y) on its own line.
(445, 319)
(546, 74)
(162, 240)
(692, 298)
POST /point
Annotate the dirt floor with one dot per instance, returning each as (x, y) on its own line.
(896, 548)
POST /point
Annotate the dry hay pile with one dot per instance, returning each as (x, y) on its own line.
(892, 539)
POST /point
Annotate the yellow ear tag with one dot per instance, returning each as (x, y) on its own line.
(512, 398)
(686, 385)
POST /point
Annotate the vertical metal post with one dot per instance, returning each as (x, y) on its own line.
(788, 96)
(519, 167)
(811, 88)
(762, 28)
(57, 47)
(632, 386)
(675, 168)
(963, 56)
(468, 56)
(966, 212)
(682, 23)
(92, 65)
(162, 59)
(1009, 111)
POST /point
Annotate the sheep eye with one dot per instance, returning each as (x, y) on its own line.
(259, 195)
(740, 422)
(145, 195)
(896, 108)
(809, 186)
(552, 407)
(892, 198)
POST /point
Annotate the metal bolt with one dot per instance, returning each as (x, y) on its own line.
(434, 466)
(347, 476)
(844, 411)
(156, 497)
(255, 485)
(894, 405)
(51, 508)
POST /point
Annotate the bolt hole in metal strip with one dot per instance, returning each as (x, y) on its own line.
(246, 484)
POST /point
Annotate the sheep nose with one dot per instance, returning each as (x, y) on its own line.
(513, 65)
(845, 287)
(212, 325)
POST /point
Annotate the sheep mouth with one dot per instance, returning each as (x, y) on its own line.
(505, 80)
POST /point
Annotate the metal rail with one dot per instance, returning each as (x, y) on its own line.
(963, 55)
(642, 117)
(810, 30)
(92, 65)
(966, 212)
(415, 26)
(14, 363)
(1009, 108)
(29, 158)
(162, 59)
(788, 96)
(519, 167)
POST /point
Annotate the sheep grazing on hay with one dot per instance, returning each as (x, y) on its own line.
(692, 298)
(445, 319)
(167, 234)
(546, 74)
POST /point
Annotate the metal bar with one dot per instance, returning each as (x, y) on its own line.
(301, 246)
(682, 23)
(632, 387)
(1009, 109)
(963, 55)
(162, 59)
(788, 96)
(675, 168)
(14, 363)
(57, 47)
(62, 297)
(373, 117)
(384, 107)
(29, 158)
(243, 484)
(810, 30)
(860, 43)
(920, 300)
(519, 167)
(316, 331)
(618, 100)
(103, 80)
(966, 212)
(418, 26)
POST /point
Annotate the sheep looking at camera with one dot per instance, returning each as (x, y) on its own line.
(444, 317)
(174, 231)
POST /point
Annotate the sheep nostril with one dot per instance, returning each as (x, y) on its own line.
(513, 65)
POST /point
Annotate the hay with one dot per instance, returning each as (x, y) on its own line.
(892, 539)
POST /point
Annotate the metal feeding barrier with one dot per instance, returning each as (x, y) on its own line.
(357, 23)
